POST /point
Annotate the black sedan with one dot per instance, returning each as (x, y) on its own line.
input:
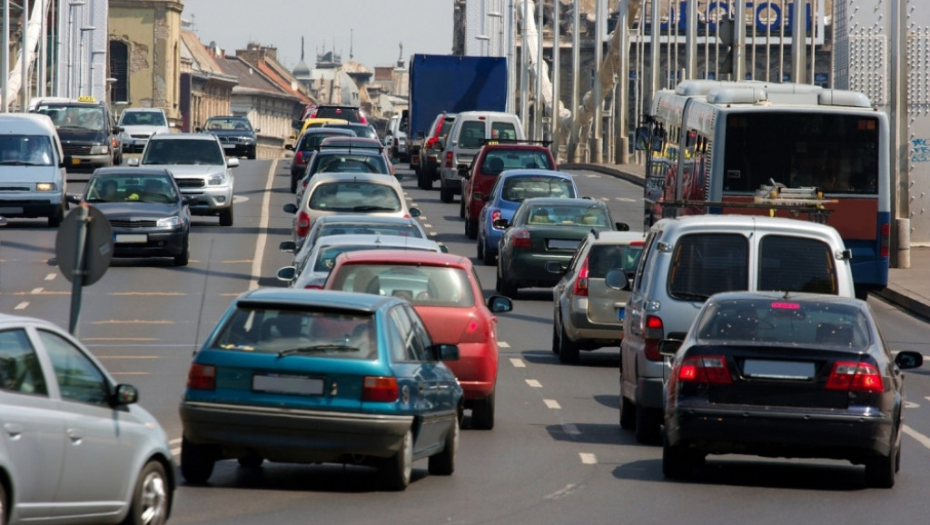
(785, 375)
(147, 212)
(236, 134)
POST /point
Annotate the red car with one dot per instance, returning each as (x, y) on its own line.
(445, 292)
(490, 161)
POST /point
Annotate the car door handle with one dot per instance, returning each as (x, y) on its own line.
(422, 387)
(13, 429)
(75, 435)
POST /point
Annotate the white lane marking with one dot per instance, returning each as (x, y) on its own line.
(587, 458)
(517, 363)
(503, 344)
(571, 429)
(427, 225)
(262, 228)
(605, 199)
(422, 218)
(22, 305)
(625, 199)
(175, 441)
(50, 277)
(552, 403)
(592, 175)
(922, 439)
(534, 383)
(176, 452)
(567, 489)
(911, 404)
(239, 198)
(36, 291)
(432, 233)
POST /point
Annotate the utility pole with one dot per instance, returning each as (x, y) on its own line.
(538, 105)
(5, 55)
(576, 73)
(556, 65)
(623, 81)
(600, 21)
(524, 65)
(798, 42)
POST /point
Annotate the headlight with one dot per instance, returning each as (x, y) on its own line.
(101, 149)
(170, 221)
(217, 180)
(246, 140)
(46, 186)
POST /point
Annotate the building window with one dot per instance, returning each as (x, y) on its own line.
(119, 69)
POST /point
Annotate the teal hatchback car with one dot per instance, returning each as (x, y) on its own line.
(321, 377)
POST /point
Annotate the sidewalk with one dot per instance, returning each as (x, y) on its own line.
(909, 289)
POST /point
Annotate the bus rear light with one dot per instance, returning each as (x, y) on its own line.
(885, 241)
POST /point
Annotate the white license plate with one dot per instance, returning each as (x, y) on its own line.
(229, 146)
(125, 238)
(563, 244)
(308, 386)
(778, 369)
(10, 210)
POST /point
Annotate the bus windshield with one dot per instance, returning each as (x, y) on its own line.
(835, 152)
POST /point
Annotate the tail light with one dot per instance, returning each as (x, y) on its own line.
(448, 159)
(313, 287)
(581, 282)
(655, 332)
(475, 332)
(496, 214)
(710, 369)
(431, 142)
(885, 250)
(855, 377)
(201, 377)
(303, 224)
(379, 389)
(299, 158)
(521, 238)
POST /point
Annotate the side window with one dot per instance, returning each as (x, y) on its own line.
(78, 378)
(20, 370)
(796, 264)
(648, 253)
(413, 346)
(395, 339)
(707, 263)
(421, 332)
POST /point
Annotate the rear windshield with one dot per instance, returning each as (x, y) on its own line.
(349, 163)
(400, 230)
(606, 257)
(300, 332)
(421, 285)
(707, 263)
(807, 322)
(354, 196)
(183, 151)
(497, 161)
(575, 215)
(472, 134)
(360, 131)
(326, 256)
(796, 264)
(311, 141)
(350, 114)
(227, 124)
(516, 189)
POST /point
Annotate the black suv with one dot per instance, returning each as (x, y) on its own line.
(88, 133)
(235, 133)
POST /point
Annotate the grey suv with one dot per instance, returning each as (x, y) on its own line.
(588, 314)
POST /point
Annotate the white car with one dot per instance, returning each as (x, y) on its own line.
(200, 167)
(76, 448)
(139, 124)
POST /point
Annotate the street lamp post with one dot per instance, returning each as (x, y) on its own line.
(5, 55)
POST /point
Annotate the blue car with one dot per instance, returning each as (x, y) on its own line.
(510, 189)
(322, 377)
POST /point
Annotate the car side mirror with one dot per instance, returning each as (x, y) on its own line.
(117, 130)
(499, 303)
(669, 347)
(290, 208)
(133, 162)
(414, 212)
(501, 224)
(617, 279)
(232, 162)
(198, 130)
(555, 267)
(289, 147)
(445, 352)
(74, 198)
(257, 130)
(288, 246)
(287, 273)
(907, 359)
(622, 226)
(443, 248)
(125, 395)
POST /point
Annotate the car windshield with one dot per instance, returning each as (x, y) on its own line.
(350, 195)
(516, 189)
(498, 160)
(326, 255)
(298, 332)
(577, 215)
(421, 285)
(86, 117)
(228, 124)
(806, 322)
(183, 151)
(142, 118)
(129, 188)
(25, 150)
(400, 230)
(349, 163)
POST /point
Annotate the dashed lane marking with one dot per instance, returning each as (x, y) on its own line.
(37, 291)
(263, 228)
(50, 277)
(503, 344)
(175, 441)
(571, 429)
(587, 458)
(41, 292)
(911, 404)
(564, 491)
(625, 199)
(427, 225)
(592, 175)
(922, 439)
(534, 383)
(422, 218)
(239, 198)
(552, 403)
(22, 305)
(517, 363)
(432, 233)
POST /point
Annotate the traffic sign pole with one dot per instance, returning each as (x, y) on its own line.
(77, 275)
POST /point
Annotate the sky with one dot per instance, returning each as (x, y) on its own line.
(377, 27)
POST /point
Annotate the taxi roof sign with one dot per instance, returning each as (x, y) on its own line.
(87, 98)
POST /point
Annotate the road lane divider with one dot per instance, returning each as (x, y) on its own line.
(587, 458)
(22, 305)
(50, 277)
(503, 344)
(564, 491)
(533, 383)
(262, 228)
(553, 404)
(920, 438)
(37, 291)
(517, 363)
(571, 429)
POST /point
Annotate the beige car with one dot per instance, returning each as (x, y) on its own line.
(348, 193)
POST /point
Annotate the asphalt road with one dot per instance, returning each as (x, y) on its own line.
(556, 454)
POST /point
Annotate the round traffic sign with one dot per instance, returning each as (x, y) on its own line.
(98, 245)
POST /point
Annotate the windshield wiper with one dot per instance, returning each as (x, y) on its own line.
(317, 348)
(372, 208)
(691, 296)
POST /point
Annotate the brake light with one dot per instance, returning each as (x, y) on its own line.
(379, 389)
(710, 369)
(303, 224)
(885, 240)
(495, 215)
(299, 158)
(448, 159)
(655, 332)
(521, 238)
(201, 377)
(855, 377)
(581, 282)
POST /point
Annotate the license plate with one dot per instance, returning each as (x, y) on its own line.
(307, 386)
(563, 244)
(75, 162)
(10, 210)
(229, 146)
(126, 238)
(621, 313)
(778, 369)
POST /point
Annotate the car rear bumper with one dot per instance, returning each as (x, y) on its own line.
(280, 434)
(238, 150)
(475, 369)
(581, 327)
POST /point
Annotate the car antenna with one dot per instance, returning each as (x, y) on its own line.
(203, 298)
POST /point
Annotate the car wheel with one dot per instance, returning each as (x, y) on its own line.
(471, 228)
(482, 414)
(505, 286)
(880, 470)
(251, 461)
(55, 219)
(443, 464)
(489, 258)
(151, 498)
(462, 207)
(446, 194)
(396, 470)
(897, 462)
(677, 462)
(568, 349)
(421, 179)
(427, 180)
(627, 414)
(648, 425)
(184, 257)
(468, 229)
(197, 462)
(251, 154)
(555, 335)
(293, 184)
(226, 216)
(480, 248)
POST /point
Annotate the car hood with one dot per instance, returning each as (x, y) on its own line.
(144, 130)
(81, 135)
(136, 210)
(181, 171)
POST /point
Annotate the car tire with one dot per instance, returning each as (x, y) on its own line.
(421, 179)
(293, 184)
(446, 194)
(627, 414)
(4, 501)
(250, 154)
(443, 464)
(488, 258)
(197, 462)
(151, 498)
(880, 470)
(471, 228)
(227, 217)
(568, 349)
(556, 337)
(184, 257)
(55, 219)
(504, 286)
(648, 425)
(677, 462)
(251, 462)
(482, 414)
(427, 180)
(395, 471)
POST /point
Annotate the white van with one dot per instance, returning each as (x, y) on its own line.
(469, 132)
(684, 261)
(32, 173)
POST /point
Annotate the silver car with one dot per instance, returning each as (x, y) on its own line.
(139, 124)
(76, 448)
(200, 167)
